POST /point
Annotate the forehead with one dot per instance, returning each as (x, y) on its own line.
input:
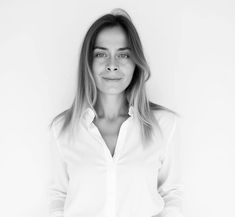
(112, 36)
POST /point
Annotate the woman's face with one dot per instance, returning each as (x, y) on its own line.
(112, 65)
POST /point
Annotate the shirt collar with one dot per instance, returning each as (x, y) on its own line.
(89, 114)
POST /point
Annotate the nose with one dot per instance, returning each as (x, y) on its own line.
(111, 65)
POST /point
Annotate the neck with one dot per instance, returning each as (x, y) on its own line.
(111, 107)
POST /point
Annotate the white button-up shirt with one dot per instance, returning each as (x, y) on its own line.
(137, 181)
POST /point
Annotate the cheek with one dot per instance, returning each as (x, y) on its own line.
(129, 74)
(95, 67)
(95, 71)
(130, 65)
(129, 68)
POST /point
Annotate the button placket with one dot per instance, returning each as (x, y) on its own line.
(111, 189)
(121, 139)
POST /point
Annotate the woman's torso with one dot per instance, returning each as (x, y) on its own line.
(91, 171)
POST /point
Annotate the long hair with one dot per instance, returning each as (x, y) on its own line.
(86, 93)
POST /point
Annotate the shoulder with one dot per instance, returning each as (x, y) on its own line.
(56, 126)
(165, 117)
(167, 121)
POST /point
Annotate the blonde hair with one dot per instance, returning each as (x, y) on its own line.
(86, 93)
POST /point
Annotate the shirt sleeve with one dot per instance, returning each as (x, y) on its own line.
(58, 181)
(170, 185)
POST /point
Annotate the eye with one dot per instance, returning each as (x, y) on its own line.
(123, 55)
(100, 54)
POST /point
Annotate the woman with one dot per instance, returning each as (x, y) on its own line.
(114, 153)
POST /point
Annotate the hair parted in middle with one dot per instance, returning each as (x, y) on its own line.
(86, 92)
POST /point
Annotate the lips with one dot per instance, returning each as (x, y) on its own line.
(106, 78)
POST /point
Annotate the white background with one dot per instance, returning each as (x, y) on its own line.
(190, 48)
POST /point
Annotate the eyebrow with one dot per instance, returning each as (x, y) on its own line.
(119, 49)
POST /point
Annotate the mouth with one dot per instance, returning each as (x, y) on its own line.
(112, 79)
